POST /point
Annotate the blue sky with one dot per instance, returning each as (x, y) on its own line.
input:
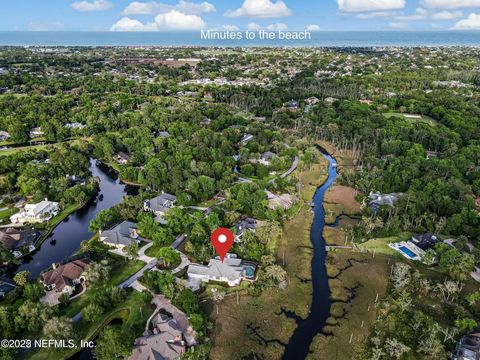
(183, 15)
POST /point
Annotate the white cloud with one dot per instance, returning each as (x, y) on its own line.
(253, 27)
(230, 27)
(370, 5)
(95, 5)
(420, 14)
(472, 22)
(153, 7)
(171, 21)
(127, 24)
(277, 26)
(313, 27)
(450, 4)
(398, 25)
(178, 21)
(447, 15)
(376, 14)
(261, 9)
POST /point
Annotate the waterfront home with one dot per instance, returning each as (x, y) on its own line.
(64, 277)
(375, 200)
(36, 132)
(232, 271)
(4, 135)
(417, 246)
(36, 213)
(160, 205)
(120, 236)
(468, 348)
(282, 201)
(165, 341)
(19, 241)
(122, 158)
(6, 285)
(240, 227)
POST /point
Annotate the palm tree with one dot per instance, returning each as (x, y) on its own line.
(217, 296)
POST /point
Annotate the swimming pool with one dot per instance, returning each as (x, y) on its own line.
(249, 271)
(407, 252)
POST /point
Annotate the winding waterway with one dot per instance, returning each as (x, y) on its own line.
(65, 239)
(299, 344)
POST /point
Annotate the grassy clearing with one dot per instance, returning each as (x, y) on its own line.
(380, 246)
(424, 119)
(239, 328)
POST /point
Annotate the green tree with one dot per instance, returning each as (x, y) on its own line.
(112, 344)
(21, 278)
(168, 256)
(92, 312)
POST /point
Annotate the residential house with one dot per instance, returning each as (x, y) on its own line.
(122, 235)
(206, 122)
(424, 242)
(282, 201)
(266, 158)
(416, 247)
(165, 341)
(64, 277)
(6, 285)
(240, 227)
(292, 105)
(19, 241)
(162, 134)
(4, 135)
(367, 102)
(160, 205)
(122, 158)
(312, 101)
(36, 213)
(246, 139)
(468, 348)
(434, 154)
(231, 271)
(330, 100)
(375, 200)
(75, 125)
(36, 132)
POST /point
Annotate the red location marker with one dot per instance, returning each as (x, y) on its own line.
(222, 240)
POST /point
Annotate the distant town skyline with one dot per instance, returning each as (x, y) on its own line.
(182, 15)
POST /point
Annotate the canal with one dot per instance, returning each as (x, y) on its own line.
(65, 239)
(299, 345)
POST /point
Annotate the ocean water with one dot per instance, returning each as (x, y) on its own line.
(318, 39)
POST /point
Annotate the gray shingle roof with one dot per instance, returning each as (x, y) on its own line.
(121, 234)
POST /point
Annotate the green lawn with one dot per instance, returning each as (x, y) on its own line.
(425, 119)
(5, 214)
(380, 245)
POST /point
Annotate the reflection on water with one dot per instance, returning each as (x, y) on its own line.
(67, 236)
